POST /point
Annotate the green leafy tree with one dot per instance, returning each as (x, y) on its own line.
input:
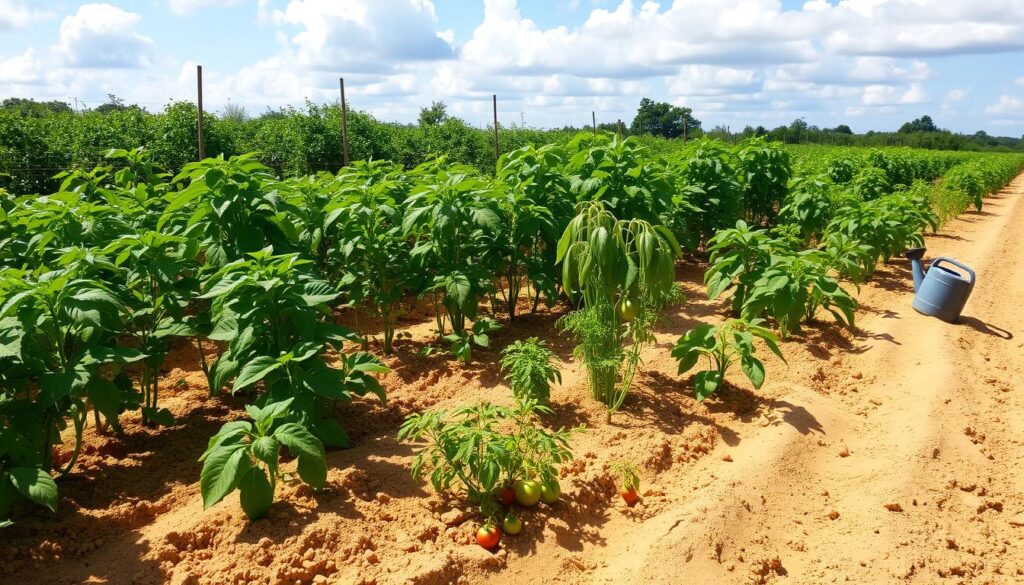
(663, 119)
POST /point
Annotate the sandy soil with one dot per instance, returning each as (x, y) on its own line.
(889, 454)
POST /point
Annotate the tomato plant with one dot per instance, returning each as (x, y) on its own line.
(479, 447)
(530, 370)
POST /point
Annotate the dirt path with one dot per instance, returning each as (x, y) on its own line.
(894, 453)
(905, 464)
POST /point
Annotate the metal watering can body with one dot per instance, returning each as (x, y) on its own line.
(941, 291)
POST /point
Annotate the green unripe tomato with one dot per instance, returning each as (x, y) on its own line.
(528, 492)
(550, 492)
(628, 309)
(512, 524)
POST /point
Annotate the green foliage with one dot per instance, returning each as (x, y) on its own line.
(605, 263)
(712, 193)
(480, 447)
(722, 346)
(530, 370)
(764, 171)
(270, 311)
(663, 119)
(245, 456)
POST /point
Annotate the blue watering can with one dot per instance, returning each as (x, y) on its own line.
(941, 292)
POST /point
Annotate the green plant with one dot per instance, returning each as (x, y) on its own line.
(722, 346)
(792, 289)
(245, 456)
(530, 369)
(764, 175)
(482, 446)
(159, 287)
(606, 262)
(375, 257)
(271, 311)
(738, 257)
(461, 344)
(447, 213)
(629, 480)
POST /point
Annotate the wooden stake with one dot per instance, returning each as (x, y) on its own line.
(497, 153)
(344, 125)
(199, 87)
(593, 118)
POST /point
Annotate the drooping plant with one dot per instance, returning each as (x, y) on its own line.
(477, 448)
(622, 272)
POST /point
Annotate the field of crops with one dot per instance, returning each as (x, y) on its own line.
(302, 299)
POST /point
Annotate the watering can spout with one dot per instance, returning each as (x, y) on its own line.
(915, 255)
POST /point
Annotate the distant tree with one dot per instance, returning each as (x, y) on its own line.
(663, 119)
(30, 108)
(234, 113)
(436, 114)
(114, 104)
(842, 129)
(760, 131)
(922, 124)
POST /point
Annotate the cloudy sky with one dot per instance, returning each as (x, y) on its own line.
(871, 64)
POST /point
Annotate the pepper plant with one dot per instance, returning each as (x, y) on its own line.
(722, 346)
(245, 456)
(273, 315)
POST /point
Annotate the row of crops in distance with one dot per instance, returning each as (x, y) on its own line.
(99, 279)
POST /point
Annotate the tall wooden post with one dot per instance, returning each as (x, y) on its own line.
(344, 125)
(199, 87)
(497, 153)
(593, 119)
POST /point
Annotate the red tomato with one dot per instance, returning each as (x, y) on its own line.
(629, 494)
(488, 536)
(506, 496)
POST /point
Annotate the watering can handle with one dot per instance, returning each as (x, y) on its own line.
(958, 265)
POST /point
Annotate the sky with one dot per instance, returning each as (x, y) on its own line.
(871, 64)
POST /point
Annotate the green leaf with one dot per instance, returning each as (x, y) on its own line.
(254, 371)
(266, 449)
(221, 471)
(754, 370)
(255, 493)
(706, 383)
(309, 450)
(36, 485)
(162, 416)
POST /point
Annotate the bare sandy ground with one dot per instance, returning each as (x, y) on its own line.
(889, 454)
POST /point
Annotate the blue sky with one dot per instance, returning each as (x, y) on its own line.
(872, 64)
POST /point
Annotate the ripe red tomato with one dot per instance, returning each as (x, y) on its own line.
(488, 536)
(506, 496)
(629, 495)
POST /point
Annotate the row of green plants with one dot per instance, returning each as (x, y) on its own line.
(100, 280)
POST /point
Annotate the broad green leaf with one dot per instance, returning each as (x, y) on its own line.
(254, 371)
(36, 485)
(221, 471)
(255, 493)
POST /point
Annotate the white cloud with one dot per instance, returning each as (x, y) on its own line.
(1020, 81)
(887, 95)
(956, 95)
(362, 35)
(1007, 105)
(23, 69)
(15, 15)
(102, 36)
(187, 7)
